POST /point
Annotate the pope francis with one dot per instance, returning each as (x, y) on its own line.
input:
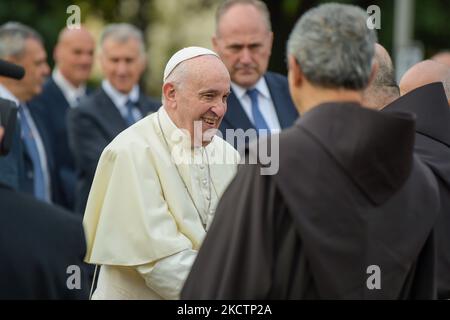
(157, 184)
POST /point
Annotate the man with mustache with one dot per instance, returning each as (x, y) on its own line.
(259, 99)
(157, 184)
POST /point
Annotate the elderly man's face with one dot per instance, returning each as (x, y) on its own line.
(34, 61)
(122, 63)
(244, 43)
(201, 100)
(75, 56)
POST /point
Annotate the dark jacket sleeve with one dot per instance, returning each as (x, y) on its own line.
(86, 140)
(235, 260)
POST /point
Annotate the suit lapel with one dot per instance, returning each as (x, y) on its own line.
(57, 94)
(281, 101)
(235, 115)
(144, 105)
(111, 117)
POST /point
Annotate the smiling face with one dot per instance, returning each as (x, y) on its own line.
(74, 55)
(244, 43)
(198, 98)
(122, 63)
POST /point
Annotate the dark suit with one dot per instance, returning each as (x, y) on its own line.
(236, 118)
(38, 243)
(12, 164)
(27, 178)
(51, 107)
(92, 126)
(16, 168)
(432, 145)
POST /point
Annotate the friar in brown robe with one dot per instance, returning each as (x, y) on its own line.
(432, 145)
(350, 213)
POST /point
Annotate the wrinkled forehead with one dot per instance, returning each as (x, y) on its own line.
(206, 70)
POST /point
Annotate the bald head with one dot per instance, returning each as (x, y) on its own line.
(74, 55)
(442, 57)
(383, 89)
(424, 73)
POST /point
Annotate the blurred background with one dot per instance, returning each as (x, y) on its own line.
(410, 29)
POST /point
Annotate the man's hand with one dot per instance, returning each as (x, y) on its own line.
(1, 133)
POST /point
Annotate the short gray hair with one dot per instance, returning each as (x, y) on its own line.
(178, 76)
(385, 78)
(12, 39)
(227, 4)
(333, 46)
(122, 32)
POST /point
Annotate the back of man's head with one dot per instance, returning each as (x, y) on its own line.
(383, 89)
(442, 57)
(424, 73)
(334, 47)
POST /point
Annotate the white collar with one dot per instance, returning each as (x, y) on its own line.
(261, 85)
(118, 98)
(71, 93)
(6, 94)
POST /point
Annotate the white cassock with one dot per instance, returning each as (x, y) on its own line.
(150, 204)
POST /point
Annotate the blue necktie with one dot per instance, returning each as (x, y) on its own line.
(258, 118)
(130, 117)
(40, 191)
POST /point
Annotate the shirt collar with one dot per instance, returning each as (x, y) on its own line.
(6, 94)
(70, 92)
(118, 98)
(261, 86)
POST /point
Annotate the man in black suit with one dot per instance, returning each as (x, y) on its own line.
(42, 249)
(32, 166)
(73, 55)
(113, 107)
(259, 99)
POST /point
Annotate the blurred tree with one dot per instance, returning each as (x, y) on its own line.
(431, 24)
(172, 24)
(46, 16)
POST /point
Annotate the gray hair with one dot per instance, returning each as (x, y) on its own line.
(227, 4)
(333, 46)
(178, 76)
(384, 88)
(385, 76)
(12, 39)
(122, 32)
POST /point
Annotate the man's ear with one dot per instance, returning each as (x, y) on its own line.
(215, 43)
(373, 72)
(295, 70)
(169, 94)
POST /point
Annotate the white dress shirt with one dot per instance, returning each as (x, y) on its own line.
(6, 94)
(119, 99)
(72, 94)
(265, 102)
